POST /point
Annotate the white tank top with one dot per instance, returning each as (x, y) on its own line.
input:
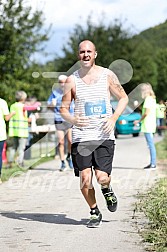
(92, 100)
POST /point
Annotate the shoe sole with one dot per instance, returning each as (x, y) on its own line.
(151, 168)
(62, 170)
(112, 209)
(95, 226)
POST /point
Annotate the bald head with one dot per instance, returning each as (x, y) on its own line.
(87, 43)
(62, 78)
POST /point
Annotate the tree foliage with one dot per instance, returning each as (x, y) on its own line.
(156, 35)
(140, 55)
(114, 42)
(109, 41)
(161, 88)
(20, 36)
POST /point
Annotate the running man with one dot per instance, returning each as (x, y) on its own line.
(93, 123)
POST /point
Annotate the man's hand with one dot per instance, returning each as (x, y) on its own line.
(109, 125)
(80, 121)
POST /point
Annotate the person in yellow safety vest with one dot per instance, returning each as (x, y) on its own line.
(160, 116)
(18, 129)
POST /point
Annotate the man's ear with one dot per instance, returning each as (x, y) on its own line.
(95, 55)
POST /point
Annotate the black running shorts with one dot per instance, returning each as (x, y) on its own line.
(96, 154)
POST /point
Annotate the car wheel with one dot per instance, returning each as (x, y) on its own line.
(135, 134)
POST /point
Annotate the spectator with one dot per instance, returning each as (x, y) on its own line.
(62, 127)
(4, 116)
(18, 128)
(160, 115)
(148, 121)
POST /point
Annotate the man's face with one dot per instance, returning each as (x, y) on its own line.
(87, 54)
(61, 84)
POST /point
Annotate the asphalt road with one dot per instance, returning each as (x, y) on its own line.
(43, 210)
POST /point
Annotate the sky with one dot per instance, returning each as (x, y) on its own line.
(64, 15)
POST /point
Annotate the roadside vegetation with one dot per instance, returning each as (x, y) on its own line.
(154, 206)
(9, 172)
(24, 33)
(161, 148)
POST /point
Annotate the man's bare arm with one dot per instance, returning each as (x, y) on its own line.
(66, 100)
(69, 95)
(117, 90)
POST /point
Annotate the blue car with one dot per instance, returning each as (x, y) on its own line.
(124, 124)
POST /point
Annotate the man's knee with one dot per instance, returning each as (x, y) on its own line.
(85, 179)
(103, 179)
(61, 142)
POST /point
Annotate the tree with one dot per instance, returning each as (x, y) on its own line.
(113, 42)
(141, 55)
(109, 41)
(161, 61)
(20, 36)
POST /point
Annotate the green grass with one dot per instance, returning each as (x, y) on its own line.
(161, 148)
(33, 162)
(154, 205)
(7, 173)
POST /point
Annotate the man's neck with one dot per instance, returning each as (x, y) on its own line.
(87, 71)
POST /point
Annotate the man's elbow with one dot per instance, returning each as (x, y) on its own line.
(125, 99)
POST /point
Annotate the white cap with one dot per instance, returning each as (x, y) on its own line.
(62, 77)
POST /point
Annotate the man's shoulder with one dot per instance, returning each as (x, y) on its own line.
(110, 72)
(70, 78)
(106, 70)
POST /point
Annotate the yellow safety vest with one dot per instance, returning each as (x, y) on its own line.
(18, 124)
(160, 109)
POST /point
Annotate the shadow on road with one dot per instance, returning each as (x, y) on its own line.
(47, 218)
(127, 168)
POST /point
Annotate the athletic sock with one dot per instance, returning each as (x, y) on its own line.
(68, 155)
(105, 189)
(94, 210)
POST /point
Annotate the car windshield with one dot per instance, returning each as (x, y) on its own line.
(127, 110)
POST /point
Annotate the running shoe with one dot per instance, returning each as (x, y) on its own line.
(111, 200)
(69, 160)
(95, 219)
(150, 166)
(63, 167)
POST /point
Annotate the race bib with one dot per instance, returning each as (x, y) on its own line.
(97, 108)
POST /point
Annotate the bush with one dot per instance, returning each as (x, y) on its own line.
(154, 206)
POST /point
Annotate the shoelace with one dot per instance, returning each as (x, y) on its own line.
(110, 197)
